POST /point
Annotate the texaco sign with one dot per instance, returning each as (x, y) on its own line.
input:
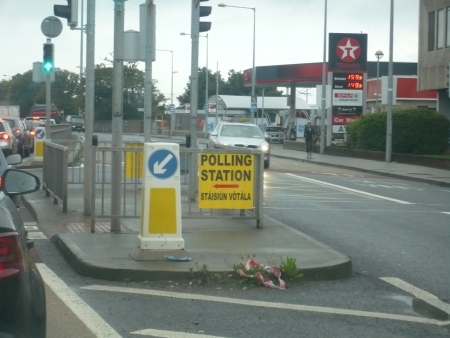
(347, 52)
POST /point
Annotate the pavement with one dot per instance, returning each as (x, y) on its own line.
(215, 245)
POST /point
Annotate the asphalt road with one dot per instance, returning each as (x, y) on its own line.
(391, 228)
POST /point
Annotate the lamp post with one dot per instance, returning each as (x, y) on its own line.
(254, 33)
(324, 94)
(207, 70)
(172, 114)
(379, 54)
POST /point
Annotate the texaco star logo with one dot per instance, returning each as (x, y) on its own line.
(348, 49)
(246, 75)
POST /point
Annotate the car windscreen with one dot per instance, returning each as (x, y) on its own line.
(271, 129)
(2, 127)
(241, 131)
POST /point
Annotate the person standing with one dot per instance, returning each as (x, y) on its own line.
(308, 135)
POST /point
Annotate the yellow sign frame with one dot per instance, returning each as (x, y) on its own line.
(226, 181)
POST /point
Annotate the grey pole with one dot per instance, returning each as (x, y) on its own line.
(117, 114)
(89, 182)
(194, 71)
(81, 42)
(172, 115)
(390, 87)
(207, 87)
(217, 95)
(324, 94)
(148, 101)
(254, 39)
(48, 99)
(379, 54)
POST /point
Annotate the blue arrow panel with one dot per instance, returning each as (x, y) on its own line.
(162, 164)
(40, 134)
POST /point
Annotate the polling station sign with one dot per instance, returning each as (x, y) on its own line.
(226, 181)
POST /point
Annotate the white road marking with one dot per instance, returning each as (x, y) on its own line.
(418, 293)
(29, 224)
(84, 312)
(31, 228)
(282, 306)
(36, 235)
(445, 212)
(348, 189)
(171, 334)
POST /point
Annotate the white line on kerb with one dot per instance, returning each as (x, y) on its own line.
(349, 189)
(171, 334)
(84, 312)
(273, 305)
(418, 293)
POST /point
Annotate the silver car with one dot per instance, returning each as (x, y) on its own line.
(8, 142)
(236, 134)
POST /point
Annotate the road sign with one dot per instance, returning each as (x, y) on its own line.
(226, 181)
(40, 134)
(172, 108)
(51, 27)
(162, 164)
(253, 104)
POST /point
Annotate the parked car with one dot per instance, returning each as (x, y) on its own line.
(30, 128)
(22, 291)
(236, 134)
(274, 134)
(23, 138)
(77, 123)
(8, 142)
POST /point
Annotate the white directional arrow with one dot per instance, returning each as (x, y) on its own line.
(158, 168)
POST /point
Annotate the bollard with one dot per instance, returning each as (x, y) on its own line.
(188, 140)
(293, 135)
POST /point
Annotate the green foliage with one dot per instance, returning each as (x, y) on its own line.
(415, 131)
(289, 267)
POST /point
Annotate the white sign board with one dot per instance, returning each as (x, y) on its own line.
(347, 97)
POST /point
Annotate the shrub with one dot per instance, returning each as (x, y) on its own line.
(414, 131)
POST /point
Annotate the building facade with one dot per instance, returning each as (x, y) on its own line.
(434, 50)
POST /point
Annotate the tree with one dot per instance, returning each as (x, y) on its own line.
(134, 93)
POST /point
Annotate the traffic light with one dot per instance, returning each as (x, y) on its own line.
(49, 62)
(70, 12)
(204, 26)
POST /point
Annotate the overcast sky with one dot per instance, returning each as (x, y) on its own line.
(287, 32)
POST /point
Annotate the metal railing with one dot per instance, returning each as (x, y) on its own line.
(63, 165)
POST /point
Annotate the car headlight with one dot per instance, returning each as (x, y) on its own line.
(265, 148)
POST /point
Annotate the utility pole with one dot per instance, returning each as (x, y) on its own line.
(117, 114)
(89, 180)
(194, 70)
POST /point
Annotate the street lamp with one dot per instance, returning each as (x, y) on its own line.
(379, 54)
(207, 72)
(254, 32)
(172, 114)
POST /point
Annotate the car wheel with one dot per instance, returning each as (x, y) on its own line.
(266, 164)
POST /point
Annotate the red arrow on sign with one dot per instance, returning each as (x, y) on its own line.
(217, 186)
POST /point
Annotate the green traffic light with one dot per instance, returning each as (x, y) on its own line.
(48, 67)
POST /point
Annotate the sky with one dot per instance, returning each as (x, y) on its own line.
(287, 32)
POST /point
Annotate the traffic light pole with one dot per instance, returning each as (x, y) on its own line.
(117, 114)
(48, 101)
(89, 155)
